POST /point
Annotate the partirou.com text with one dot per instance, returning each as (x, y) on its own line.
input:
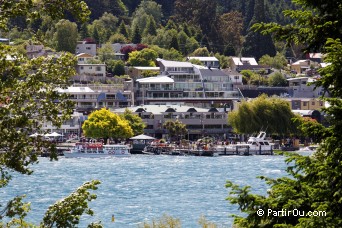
(294, 212)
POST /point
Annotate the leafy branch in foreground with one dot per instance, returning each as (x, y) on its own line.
(313, 182)
(67, 212)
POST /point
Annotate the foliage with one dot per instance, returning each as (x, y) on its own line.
(117, 38)
(230, 26)
(278, 61)
(29, 97)
(277, 79)
(312, 129)
(67, 212)
(223, 60)
(256, 44)
(105, 26)
(136, 35)
(116, 67)
(66, 36)
(135, 122)
(149, 73)
(201, 52)
(264, 112)
(204, 223)
(196, 62)
(145, 57)
(313, 182)
(105, 124)
(128, 49)
(105, 53)
(163, 222)
(175, 129)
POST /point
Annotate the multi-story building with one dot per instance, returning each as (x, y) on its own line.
(93, 97)
(187, 84)
(200, 122)
(71, 127)
(303, 87)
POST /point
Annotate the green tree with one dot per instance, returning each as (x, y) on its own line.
(151, 28)
(175, 129)
(136, 36)
(105, 124)
(135, 122)
(277, 79)
(105, 52)
(117, 38)
(102, 28)
(278, 62)
(191, 45)
(256, 44)
(174, 43)
(145, 57)
(196, 62)
(313, 182)
(66, 36)
(264, 112)
(230, 27)
(116, 67)
(123, 29)
(182, 38)
(28, 97)
(201, 52)
(169, 54)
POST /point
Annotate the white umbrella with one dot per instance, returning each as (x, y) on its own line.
(53, 134)
(144, 137)
(35, 135)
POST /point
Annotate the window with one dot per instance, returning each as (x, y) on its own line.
(98, 68)
(313, 103)
(81, 67)
(90, 68)
(88, 48)
(305, 103)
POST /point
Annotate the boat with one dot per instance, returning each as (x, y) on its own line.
(158, 148)
(97, 150)
(255, 145)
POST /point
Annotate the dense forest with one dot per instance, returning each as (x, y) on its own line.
(222, 26)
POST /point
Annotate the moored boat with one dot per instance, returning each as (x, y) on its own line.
(255, 145)
(97, 150)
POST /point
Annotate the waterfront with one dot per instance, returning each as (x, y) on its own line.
(142, 188)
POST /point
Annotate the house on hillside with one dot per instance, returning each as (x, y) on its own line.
(83, 58)
(86, 47)
(210, 61)
(247, 63)
(98, 70)
(303, 65)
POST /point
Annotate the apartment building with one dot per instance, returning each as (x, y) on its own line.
(186, 84)
(200, 122)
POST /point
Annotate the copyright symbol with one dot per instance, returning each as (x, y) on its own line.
(260, 212)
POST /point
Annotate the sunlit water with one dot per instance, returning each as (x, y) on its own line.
(142, 188)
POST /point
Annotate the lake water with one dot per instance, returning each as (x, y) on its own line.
(142, 188)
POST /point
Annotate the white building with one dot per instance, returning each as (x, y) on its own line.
(84, 47)
(94, 70)
(209, 61)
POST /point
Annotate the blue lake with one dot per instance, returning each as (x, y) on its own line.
(142, 188)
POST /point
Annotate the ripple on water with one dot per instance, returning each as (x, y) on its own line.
(142, 188)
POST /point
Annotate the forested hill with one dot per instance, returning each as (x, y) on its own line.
(221, 26)
(273, 8)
